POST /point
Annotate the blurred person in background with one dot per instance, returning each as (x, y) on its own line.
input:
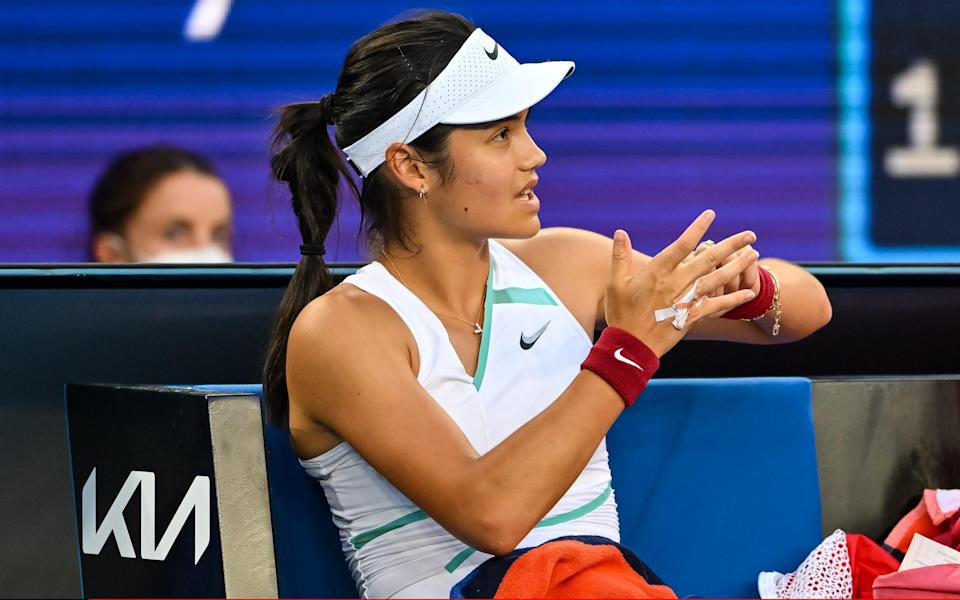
(160, 204)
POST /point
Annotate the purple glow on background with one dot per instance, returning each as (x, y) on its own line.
(674, 108)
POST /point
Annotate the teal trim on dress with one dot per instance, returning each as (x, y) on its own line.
(362, 539)
(459, 558)
(487, 326)
(576, 513)
(513, 295)
(517, 295)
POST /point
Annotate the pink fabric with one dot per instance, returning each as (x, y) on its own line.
(938, 514)
(951, 532)
(929, 519)
(940, 581)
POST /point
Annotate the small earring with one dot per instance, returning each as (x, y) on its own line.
(423, 193)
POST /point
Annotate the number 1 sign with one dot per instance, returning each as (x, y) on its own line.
(900, 130)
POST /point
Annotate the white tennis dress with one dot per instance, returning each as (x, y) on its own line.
(531, 350)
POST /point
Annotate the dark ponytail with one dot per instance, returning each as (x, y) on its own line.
(310, 164)
(382, 73)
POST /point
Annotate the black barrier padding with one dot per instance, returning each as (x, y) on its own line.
(168, 436)
(54, 336)
(910, 330)
(85, 324)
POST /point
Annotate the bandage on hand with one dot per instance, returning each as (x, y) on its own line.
(637, 293)
(680, 309)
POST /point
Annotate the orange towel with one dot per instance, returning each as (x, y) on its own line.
(572, 569)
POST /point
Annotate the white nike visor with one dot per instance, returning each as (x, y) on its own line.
(482, 83)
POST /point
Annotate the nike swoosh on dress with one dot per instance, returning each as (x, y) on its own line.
(527, 342)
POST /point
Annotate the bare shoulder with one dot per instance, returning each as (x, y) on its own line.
(575, 264)
(339, 338)
(343, 319)
(553, 248)
(350, 379)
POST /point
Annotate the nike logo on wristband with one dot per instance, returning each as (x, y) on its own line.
(618, 354)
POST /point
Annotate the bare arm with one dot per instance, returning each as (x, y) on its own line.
(349, 370)
(804, 304)
(574, 262)
(373, 401)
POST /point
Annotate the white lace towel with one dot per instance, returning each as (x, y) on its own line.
(825, 573)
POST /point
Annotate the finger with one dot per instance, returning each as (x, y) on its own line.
(703, 247)
(750, 276)
(736, 254)
(708, 307)
(720, 277)
(732, 285)
(673, 255)
(737, 282)
(714, 257)
(620, 260)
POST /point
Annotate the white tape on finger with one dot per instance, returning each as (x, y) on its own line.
(663, 314)
(679, 314)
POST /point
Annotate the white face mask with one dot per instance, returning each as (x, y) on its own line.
(208, 254)
(212, 254)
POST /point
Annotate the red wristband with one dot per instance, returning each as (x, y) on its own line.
(623, 361)
(760, 305)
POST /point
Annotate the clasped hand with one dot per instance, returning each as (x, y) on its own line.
(723, 275)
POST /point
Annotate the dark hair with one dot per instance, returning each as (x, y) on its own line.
(128, 179)
(382, 72)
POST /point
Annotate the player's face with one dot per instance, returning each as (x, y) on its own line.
(490, 193)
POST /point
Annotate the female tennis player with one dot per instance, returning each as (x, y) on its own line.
(449, 396)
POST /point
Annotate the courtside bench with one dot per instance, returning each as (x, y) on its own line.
(715, 479)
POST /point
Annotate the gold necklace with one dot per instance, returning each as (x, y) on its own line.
(477, 329)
